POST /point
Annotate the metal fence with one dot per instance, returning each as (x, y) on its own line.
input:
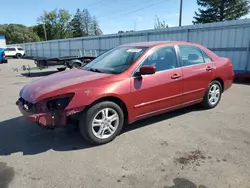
(228, 39)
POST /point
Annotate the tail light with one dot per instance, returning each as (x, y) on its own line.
(3, 54)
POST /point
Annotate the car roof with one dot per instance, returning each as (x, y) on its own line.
(156, 43)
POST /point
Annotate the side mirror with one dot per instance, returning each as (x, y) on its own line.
(147, 69)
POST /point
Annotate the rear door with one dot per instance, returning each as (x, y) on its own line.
(198, 72)
(161, 91)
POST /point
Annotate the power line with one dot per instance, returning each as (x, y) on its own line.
(113, 18)
(125, 8)
(135, 4)
(93, 4)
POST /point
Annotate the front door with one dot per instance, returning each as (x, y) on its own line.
(153, 93)
(198, 72)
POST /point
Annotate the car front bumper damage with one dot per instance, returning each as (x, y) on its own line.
(49, 119)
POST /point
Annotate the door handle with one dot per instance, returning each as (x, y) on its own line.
(209, 68)
(175, 76)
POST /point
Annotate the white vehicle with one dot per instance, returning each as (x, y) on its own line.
(17, 52)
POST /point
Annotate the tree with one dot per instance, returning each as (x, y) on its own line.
(87, 20)
(39, 30)
(83, 24)
(160, 24)
(77, 25)
(95, 28)
(220, 10)
(56, 23)
(17, 33)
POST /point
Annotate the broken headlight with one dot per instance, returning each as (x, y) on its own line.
(55, 103)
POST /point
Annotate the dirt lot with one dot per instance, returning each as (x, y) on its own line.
(189, 148)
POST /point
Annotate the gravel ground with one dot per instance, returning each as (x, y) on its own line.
(188, 148)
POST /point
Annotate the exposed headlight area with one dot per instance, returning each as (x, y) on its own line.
(58, 104)
(27, 106)
(55, 103)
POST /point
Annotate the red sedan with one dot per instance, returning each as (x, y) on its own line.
(125, 84)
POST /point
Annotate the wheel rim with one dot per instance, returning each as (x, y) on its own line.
(76, 65)
(214, 94)
(105, 123)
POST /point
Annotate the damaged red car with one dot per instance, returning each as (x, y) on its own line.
(126, 84)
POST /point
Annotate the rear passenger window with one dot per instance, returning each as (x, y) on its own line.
(206, 58)
(191, 55)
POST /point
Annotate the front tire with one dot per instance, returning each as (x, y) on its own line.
(213, 95)
(102, 122)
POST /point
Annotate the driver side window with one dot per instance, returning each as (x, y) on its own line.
(163, 58)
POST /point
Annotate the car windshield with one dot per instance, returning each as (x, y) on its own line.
(115, 61)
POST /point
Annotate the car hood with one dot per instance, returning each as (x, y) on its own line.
(36, 89)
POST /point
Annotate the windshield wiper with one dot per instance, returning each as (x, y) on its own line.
(95, 70)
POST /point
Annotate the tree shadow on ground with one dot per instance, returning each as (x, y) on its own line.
(20, 135)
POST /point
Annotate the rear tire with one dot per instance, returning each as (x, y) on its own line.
(213, 95)
(97, 127)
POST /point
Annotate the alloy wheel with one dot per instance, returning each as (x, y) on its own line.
(105, 123)
(214, 94)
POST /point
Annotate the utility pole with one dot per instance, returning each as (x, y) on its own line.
(135, 24)
(180, 16)
(45, 34)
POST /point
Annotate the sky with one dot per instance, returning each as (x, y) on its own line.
(113, 15)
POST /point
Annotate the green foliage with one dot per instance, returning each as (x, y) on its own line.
(76, 25)
(95, 28)
(83, 24)
(59, 24)
(220, 10)
(39, 30)
(87, 19)
(56, 23)
(17, 33)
